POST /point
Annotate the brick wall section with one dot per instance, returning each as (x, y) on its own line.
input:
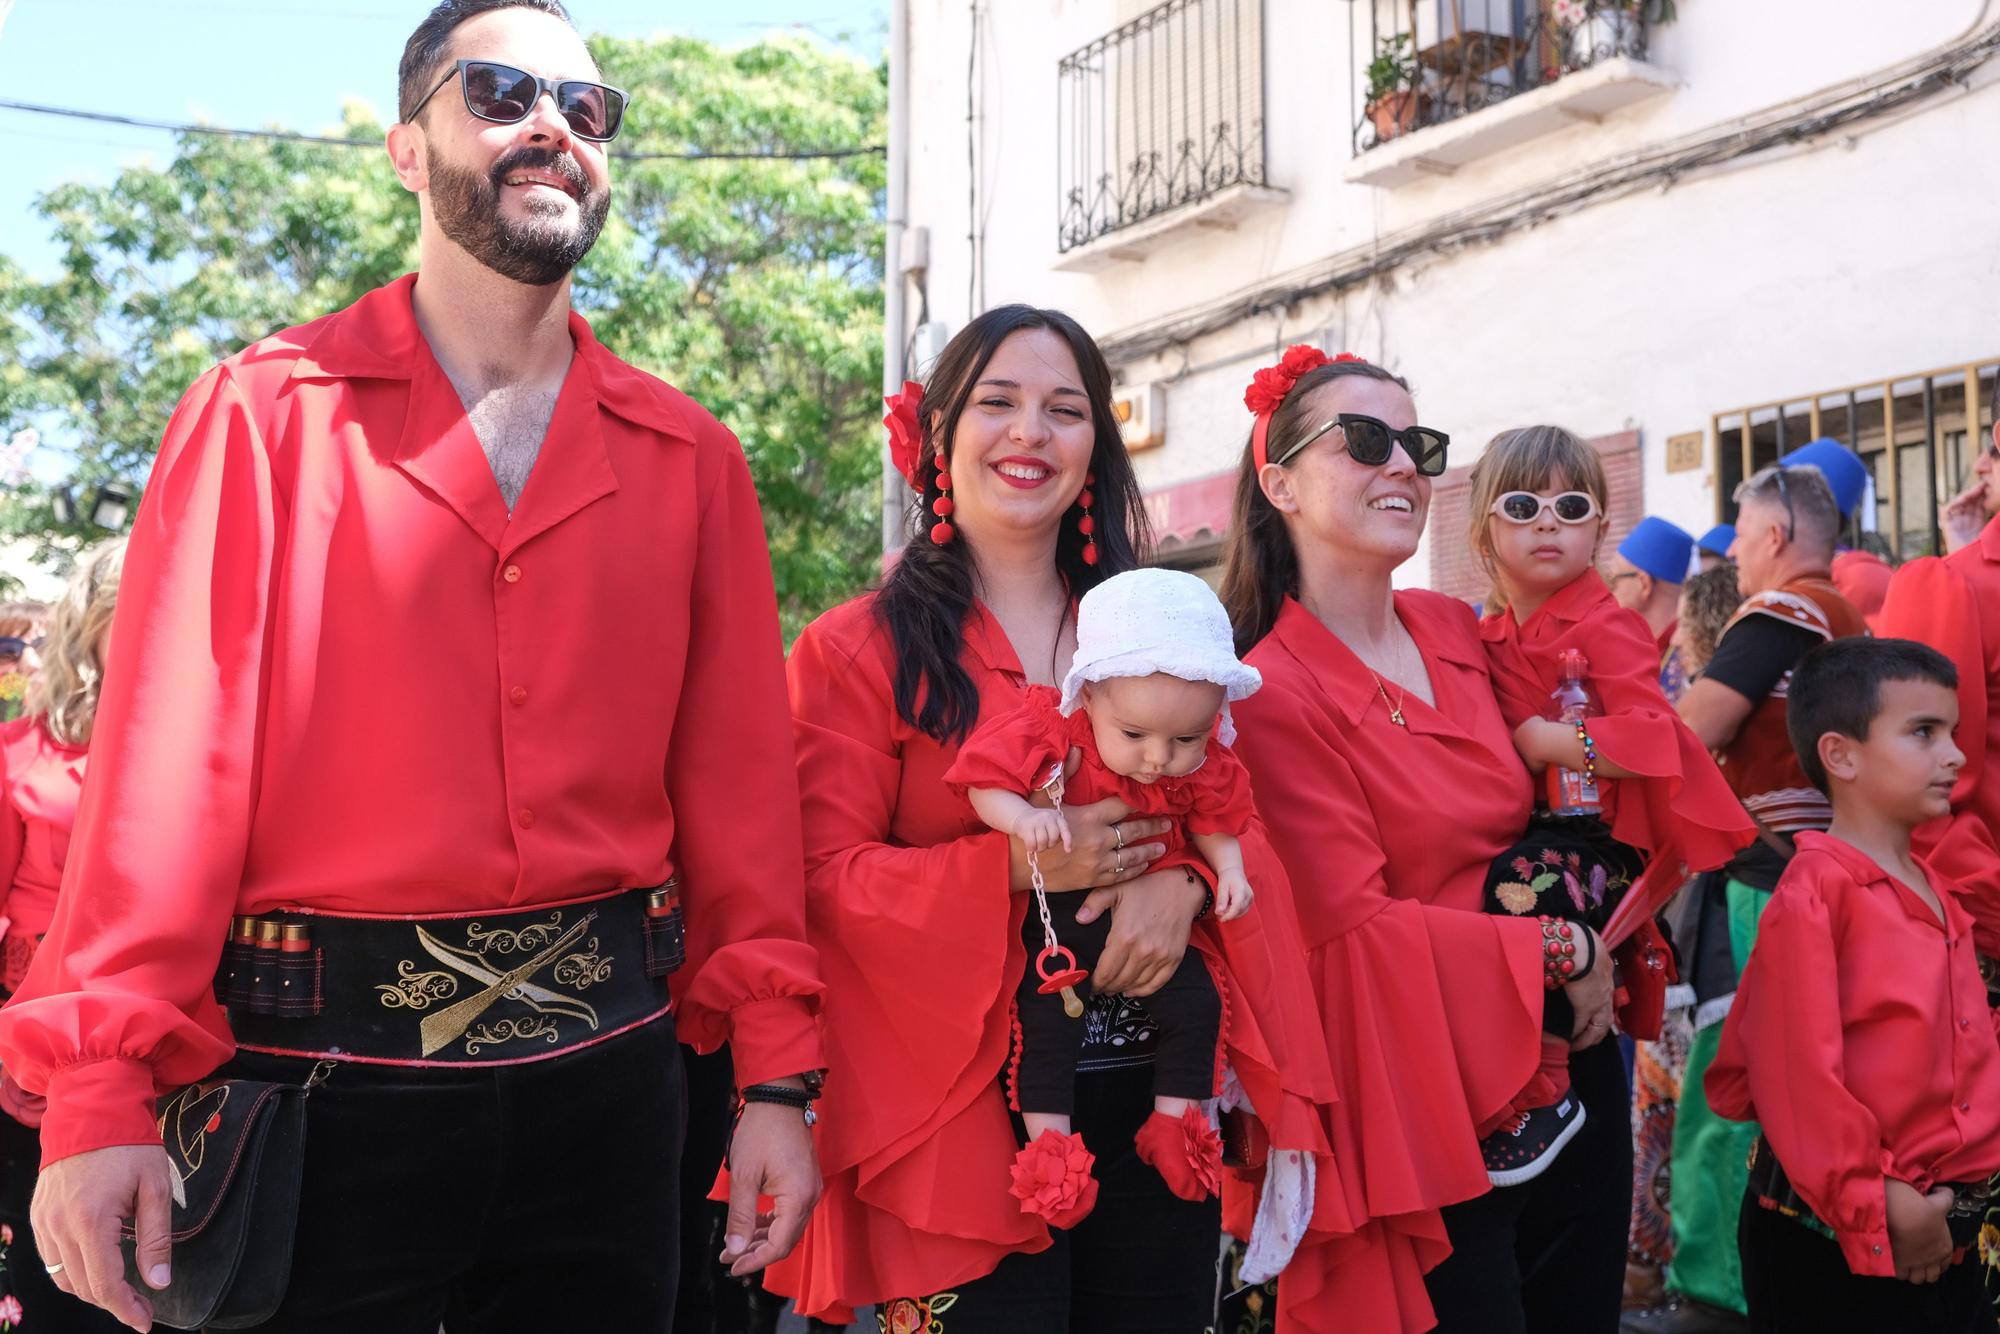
(1455, 570)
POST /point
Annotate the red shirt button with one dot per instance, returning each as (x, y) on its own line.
(1965, 1023)
(1965, 1107)
(519, 694)
(512, 574)
(526, 819)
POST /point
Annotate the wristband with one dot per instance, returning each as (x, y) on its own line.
(784, 1096)
(1207, 894)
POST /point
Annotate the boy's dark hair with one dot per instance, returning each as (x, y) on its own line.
(423, 54)
(1837, 687)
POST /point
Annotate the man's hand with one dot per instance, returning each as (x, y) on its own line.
(1149, 931)
(1963, 516)
(79, 1205)
(772, 1154)
(1917, 1231)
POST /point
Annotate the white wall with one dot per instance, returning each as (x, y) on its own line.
(1858, 257)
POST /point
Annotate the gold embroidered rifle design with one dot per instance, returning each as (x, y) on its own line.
(552, 943)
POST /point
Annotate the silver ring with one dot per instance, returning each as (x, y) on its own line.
(1119, 830)
(53, 1269)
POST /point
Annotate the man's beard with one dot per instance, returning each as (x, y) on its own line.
(539, 250)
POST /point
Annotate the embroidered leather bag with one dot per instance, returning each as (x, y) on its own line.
(237, 1147)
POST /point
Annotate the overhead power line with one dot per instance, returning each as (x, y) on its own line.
(290, 136)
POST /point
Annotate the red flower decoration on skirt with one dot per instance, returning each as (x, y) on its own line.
(1052, 1179)
(906, 429)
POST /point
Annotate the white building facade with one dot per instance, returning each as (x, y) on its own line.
(1699, 237)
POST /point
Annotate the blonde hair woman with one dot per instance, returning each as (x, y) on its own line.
(42, 759)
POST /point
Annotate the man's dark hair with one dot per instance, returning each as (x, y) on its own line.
(1837, 687)
(423, 55)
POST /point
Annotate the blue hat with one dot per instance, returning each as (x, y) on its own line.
(1842, 467)
(1660, 549)
(1717, 539)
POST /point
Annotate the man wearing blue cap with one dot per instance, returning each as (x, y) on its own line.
(1647, 572)
(1861, 576)
(1712, 547)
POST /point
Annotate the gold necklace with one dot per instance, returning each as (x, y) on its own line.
(1402, 690)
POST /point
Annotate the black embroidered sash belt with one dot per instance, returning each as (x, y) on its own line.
(1772, 1189)
(487, 988)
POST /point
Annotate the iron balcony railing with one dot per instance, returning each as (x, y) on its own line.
(1424, 62)
(1165, 111)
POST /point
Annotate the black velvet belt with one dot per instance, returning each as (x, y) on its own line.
(491, 988)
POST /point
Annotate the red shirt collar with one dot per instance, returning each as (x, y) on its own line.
(1864, 870)
(377, 338)
(1571, 603)
(1343, 676)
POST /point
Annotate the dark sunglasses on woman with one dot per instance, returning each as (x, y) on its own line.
(1370, 440)
(505, 95)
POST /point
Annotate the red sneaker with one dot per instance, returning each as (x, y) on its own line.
(1052, 1179)
(1184, 1150)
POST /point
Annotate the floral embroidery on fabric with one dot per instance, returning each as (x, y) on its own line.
(1586, 893)
(909, 1315)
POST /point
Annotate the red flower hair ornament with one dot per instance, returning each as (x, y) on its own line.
(906, 430)
(1269, 386)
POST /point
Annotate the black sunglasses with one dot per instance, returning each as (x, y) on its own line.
(505, 95)
(1370, 440)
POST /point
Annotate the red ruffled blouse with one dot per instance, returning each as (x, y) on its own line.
(909, 904)
(1678, 810)
(1860, 1041)
(40, 782)
(1432, 1009)
(1016, 751)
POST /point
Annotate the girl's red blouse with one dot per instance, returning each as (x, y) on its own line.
(1678, 809)
(1017, 750)
(1432, 1009)
(908, 900)
(41, 780)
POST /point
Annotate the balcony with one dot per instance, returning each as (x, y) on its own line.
(1160, 127)
(1450, 81)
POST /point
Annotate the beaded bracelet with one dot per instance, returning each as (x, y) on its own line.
(1589, 754)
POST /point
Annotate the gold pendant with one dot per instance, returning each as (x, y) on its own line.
(1396, 717)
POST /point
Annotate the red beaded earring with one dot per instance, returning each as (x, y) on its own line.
(942, 531)
(1087, 525)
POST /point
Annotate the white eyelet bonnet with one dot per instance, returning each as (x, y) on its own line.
(1147, 621)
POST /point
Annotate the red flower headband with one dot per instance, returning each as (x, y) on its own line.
(1269, 386)
(906, 429)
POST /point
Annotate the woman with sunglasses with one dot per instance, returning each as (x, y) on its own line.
(43, 755)
(1389, 782)
(1632, 801)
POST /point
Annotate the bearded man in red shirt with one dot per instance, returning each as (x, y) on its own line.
(450, 886)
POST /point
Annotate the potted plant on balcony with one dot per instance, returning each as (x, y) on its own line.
(1601, 29)
(1395, 97)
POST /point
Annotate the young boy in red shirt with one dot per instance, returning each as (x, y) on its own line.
(1860, 1038)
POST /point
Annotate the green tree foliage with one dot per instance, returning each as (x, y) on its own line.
(753, 285)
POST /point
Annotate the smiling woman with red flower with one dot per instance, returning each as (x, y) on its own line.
(1389, 782)
(1025, 501)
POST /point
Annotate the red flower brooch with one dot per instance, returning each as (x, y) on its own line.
(906, 429)
(1052, 1179)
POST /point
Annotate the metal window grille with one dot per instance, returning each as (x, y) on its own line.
(1919, 434)
(1164, 111)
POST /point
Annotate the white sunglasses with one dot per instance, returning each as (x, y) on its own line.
(1525, 507)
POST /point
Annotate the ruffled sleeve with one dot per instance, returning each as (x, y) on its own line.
(1221, 801)
(1014, 751)
(1677, 808)
(119, 1005)
(1933, 603)
(1782, 1064)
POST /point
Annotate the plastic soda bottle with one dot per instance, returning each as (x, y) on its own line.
(1570, 791)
